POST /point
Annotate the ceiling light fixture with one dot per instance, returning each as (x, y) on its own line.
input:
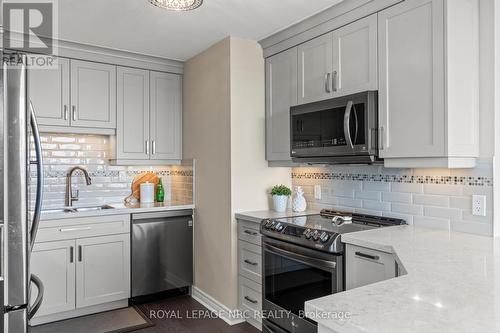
(177, 5)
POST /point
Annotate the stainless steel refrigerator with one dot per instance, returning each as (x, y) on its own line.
(18, 226)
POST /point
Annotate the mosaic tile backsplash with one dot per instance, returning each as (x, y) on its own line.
(110, 184)
(435, 198)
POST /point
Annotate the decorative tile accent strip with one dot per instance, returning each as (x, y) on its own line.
(447, 180)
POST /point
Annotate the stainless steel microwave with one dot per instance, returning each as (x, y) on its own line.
(340, 130)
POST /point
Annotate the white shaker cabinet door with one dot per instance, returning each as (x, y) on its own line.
(315, 69)
(102, 270)
(93, 94)
(54, 264)
(281, 94)
(166, 116)
(49, 93)
(411, 87)
(132, 127)
(355, 57)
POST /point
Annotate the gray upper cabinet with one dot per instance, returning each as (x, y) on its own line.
(339, 63)
(166, 116)
(315, 69)
(49, 92)
(93, 94)
(132, 130)
(355, 57)
(149, 117)
(281, 93)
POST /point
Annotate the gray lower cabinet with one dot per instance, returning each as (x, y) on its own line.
(93, 94)
(149, 116)
(249, 271)
(84, 264)
(281, 93)
(366, 266)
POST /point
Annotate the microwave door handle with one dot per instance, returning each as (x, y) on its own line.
(347, 120)
(357, 124)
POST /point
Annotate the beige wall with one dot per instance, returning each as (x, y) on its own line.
(224, 131)
(206, 138)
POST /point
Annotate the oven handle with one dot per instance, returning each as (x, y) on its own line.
(347, 120)
(299, 257)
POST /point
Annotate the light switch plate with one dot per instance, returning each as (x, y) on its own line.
(479, 205)
(317, 192)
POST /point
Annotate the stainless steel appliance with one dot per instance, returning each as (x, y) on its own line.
(341, 130)
(18, 227)
(303, 259)
(162, 251)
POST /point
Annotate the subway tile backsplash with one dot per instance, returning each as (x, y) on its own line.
(438, 198)
(110, 184)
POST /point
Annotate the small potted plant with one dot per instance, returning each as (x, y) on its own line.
(280, 195)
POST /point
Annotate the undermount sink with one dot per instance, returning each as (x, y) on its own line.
(77, 209)
(92, 208)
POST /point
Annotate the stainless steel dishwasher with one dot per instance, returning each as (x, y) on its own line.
(162, 251)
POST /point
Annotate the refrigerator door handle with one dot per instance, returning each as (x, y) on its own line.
(39, 176)
(33, 309)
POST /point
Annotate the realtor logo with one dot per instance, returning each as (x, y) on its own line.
(29, 26)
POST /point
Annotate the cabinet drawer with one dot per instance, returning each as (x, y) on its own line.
(83, 227)
(366, 266)
(250, 295)
(250, 261)
(249, 232)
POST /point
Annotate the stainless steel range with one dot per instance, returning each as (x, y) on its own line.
(303, 259)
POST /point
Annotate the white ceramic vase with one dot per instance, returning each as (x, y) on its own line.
(280, 203)
(299, 203)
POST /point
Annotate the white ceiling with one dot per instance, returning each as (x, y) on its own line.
(138, 26)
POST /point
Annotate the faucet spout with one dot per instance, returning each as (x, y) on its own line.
(70, 198)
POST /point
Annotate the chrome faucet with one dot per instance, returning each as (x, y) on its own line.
(70, 198)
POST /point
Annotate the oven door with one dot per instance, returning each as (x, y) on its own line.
(343, 126)
(293, 275)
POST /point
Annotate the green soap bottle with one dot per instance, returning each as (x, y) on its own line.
(160, 192)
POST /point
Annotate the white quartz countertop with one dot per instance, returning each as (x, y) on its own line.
(118, 208)
(452, 285)
(258, 216)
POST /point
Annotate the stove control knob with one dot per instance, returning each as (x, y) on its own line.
(307, 233)
(268, 224)
(273, 225)
(324, 237)
(279, 227)
(315, 235)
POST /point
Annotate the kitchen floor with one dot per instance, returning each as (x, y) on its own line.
(178, 307)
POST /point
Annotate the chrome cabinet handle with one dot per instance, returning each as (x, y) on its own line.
(334, 81)
(251, 233)
(327, 83)
(65, 112)
(250, 262)
(147, 147)
(73, 112)
(74, 229)
(251, 300)
(79, 253)
(153, 144)
(71, 250)
(367, 256)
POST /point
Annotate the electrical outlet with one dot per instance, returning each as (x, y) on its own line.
(317, 192)
(479, 205)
